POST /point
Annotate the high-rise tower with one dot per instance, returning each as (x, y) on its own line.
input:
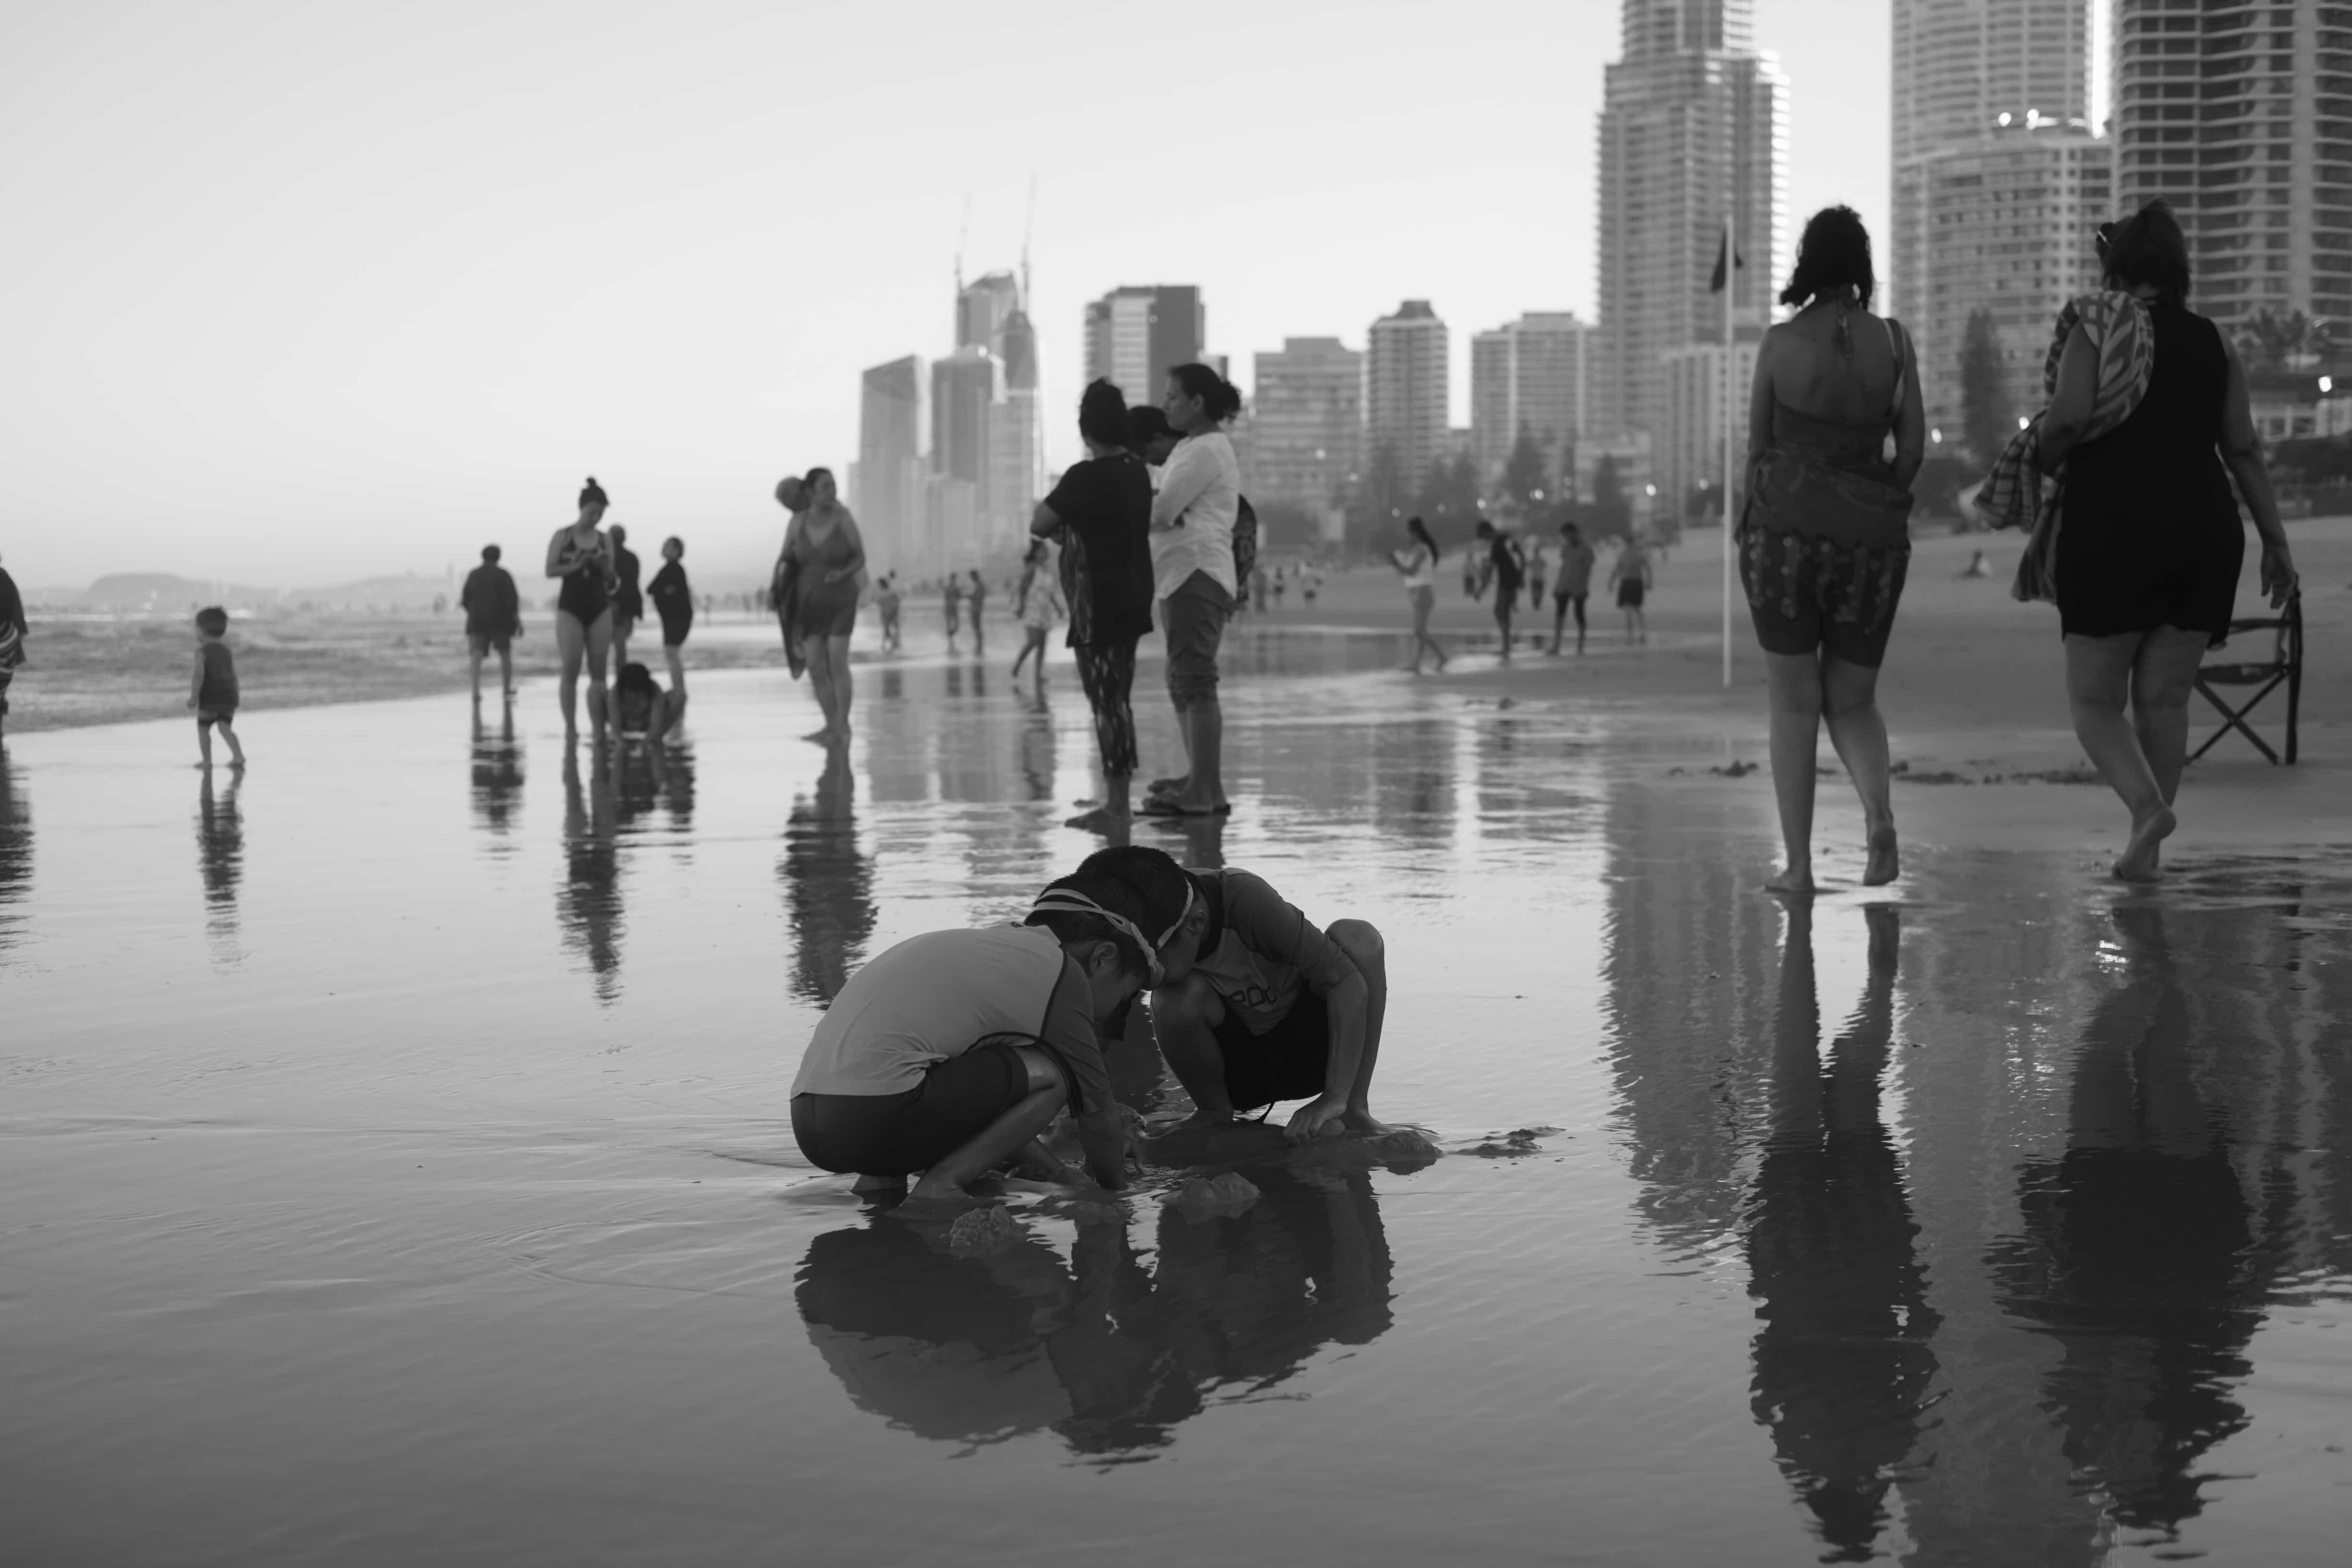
(1405, 393)
(2238, 114)
(1693, 123)
(1136, 334)
(1960, 67)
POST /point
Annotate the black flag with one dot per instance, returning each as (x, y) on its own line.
(1715, 284)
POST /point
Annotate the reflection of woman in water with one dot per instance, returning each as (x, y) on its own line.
(2139, 1252)
(1843, 1364)
(828, 883)
(588, 903)
(582, 557)
(1108, 1354)
(15, 850)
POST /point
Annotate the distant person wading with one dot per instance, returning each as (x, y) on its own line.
(493, 618)
(1824, 542)
(1417, 565)
(582, 557)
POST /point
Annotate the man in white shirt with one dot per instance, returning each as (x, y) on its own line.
(1192, 578)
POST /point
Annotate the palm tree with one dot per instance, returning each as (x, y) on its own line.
(2280, 341)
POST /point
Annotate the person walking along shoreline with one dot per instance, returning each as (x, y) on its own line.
(673, 600)
(1574, 584)
(1824, 542)
(493, 618)
(2149, 541)
(1417, 564)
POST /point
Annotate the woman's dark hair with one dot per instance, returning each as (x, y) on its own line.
(810, 478)
(1145, 425)
(2147, 247)
(1102, 414)
(635, 677)
(1114, 894)
(1834, 254)
(1220, 399)
(1420, 529)
(674, 539)
(594, 492)
(490, 555)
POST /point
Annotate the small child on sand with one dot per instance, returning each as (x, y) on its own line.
(213, 692)
(641, 707)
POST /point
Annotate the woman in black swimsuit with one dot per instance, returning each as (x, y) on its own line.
(583, 557)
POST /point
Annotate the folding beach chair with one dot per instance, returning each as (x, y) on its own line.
(2284, 668)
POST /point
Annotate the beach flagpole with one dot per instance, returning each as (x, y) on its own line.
(1730, 410)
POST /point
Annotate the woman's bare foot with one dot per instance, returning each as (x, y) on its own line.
(1100, 820)
(820, 737)
(1364, 1123)
(877, 1187)
(1886, 864)
(2139, 861)
(1792, 883)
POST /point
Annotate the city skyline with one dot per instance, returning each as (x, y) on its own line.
(307, 295)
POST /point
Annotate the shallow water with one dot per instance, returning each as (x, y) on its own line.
(397, 1169)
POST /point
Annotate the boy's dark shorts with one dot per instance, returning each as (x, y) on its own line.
(1195, 618)
(224, 717)
(898, 1134)
(1287, 1062)
(484, 643)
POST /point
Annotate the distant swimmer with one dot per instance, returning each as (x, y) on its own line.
(214, 693)
(951, 1053)
(1502, 564)
(1255, 1004)
(953, 605)
(887, 599)
(628, 599)
(493, 618)
(641, 709)
(674, 602)
(582, 556)
(978, 596)
(13, 632)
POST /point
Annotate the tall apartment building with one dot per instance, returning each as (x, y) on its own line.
(1694, 122)
(1959, 66)
(1135, 335)
(2010, 219)
(1015, 458)
(1307, 422)
(983, 307)
(889, 499)
(1528, 375)
(1700, 405)
(1406, 373)
(964, 388)
(2240, 114)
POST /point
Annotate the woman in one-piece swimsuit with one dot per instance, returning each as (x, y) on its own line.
(583, 557)
(825, 541)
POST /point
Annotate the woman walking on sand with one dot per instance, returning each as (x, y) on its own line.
(1038, 606)
(2149, 544)
(1825, 541)
(1417, 564)
(673, 600)
(824, 567)
(1100, 514)
(582, 556)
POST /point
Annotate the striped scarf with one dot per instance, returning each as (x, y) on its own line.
(2017, 494)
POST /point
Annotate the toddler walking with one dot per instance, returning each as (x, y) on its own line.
(213, 693)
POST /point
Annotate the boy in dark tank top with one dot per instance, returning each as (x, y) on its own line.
(213, 693)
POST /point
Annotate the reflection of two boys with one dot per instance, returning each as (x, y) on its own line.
(1107, 1354)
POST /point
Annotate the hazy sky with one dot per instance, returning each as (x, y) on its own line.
(302, 291)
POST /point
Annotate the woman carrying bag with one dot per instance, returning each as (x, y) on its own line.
(1824, 541)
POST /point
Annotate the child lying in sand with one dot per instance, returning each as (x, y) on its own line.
(1254, 1004)
(949, 1054)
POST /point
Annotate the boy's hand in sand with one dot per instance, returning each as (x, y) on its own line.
(1310, 1120)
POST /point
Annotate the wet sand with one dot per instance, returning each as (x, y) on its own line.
(399, 1170)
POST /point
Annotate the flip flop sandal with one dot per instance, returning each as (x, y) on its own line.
(1160, 806)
